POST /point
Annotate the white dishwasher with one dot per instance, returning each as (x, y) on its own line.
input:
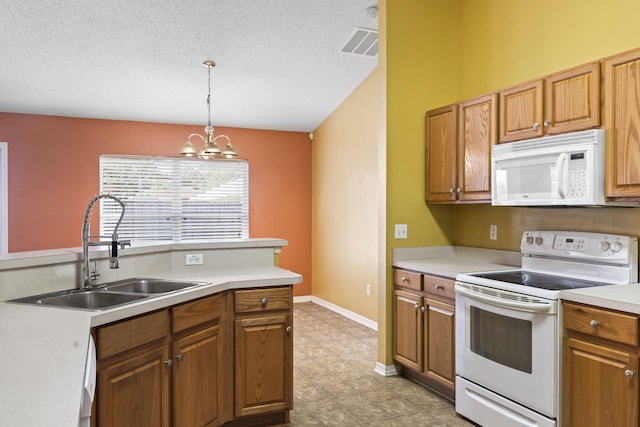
(88, 386)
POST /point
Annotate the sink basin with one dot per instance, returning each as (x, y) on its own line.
(148, 286)
(108, 295)
(82, 299)
(90, 300)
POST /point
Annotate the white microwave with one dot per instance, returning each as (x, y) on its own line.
(560, 170)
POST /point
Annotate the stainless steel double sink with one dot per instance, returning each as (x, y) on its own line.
(109, 295)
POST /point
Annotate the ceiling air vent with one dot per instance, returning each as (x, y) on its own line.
(363, 41)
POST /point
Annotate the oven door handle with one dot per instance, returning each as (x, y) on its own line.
(521, 306)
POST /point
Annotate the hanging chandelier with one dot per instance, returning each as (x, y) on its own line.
(210, 149)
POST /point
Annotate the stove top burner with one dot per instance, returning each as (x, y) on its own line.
(537, 280)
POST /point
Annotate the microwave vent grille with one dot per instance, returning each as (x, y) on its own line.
(585, 137)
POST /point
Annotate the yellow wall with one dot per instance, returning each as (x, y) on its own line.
(443, 51)
(505, 42)
(345, 202)
(422, 62)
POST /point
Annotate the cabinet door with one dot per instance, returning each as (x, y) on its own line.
(441, 140)
(439, 351)
(264, 364)
(197, 378)
(622, 115)
(407, 329)
(521, 111)
(597, 389)
(477, 133)
(572, 100)
(135, 391)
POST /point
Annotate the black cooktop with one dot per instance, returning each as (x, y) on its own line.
(537, 280)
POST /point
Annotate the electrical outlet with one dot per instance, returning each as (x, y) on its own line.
(401, 231)
(493, 232)
(193, 259)
(369, 289)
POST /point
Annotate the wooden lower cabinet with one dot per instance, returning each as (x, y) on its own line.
(199, 364)
(197, 378)
(263, 351)
(439, 355)
(423, 332)
(600, 367)
(135, 391)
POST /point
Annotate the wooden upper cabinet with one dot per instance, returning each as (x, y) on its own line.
(622, 115)
(572, 100)
(521, 111)
(459, 138)
(441, 137)
(477, 133)
(562, 102)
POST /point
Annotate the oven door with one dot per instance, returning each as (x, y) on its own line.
(508, 343)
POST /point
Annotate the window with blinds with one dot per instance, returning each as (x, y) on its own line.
(175, 199)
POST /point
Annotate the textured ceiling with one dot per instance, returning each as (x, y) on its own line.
(279, 64)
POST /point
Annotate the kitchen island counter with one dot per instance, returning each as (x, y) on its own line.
(45, 348)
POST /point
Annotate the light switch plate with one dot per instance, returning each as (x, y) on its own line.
(401, 231)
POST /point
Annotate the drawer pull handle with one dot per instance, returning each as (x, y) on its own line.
(180, 357)
(439, 287)
(594, 324)
(169, 363)
(265, 300)
(629, 374)
(405, 279)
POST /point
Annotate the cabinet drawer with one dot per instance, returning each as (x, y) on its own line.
(439, 287)
(256, 300)
(194, 313)
(602, 323)
(407, 279)
(129, 334)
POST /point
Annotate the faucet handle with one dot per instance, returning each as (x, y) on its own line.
(124, 243)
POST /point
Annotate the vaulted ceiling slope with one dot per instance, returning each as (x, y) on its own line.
(279, 62)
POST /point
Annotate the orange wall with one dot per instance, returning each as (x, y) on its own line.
(53, 173)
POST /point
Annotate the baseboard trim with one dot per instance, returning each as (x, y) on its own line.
(385, 370)
(337, 309)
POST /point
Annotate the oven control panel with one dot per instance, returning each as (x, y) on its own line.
(581, 245)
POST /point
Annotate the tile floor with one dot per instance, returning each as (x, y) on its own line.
(335, 385)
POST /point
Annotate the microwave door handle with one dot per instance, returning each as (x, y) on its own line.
(560, 163)
(519, 306)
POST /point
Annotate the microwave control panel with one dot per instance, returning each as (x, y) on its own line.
(577, 179)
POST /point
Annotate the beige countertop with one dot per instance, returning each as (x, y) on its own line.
(449, 261)
(44, 349)
(616, 297)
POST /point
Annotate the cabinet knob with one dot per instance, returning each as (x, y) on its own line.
(628, 373)
(536, 125)
(417, 306)
(594, 324)
(169, 363)
(265, 300)
(547, 123)
(458, 190)
(180, 357)
(439, 287)
(423, 309)
(405, 279)
(451, 191)
(289, 329)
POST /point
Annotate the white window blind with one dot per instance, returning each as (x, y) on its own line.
(175, 199)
